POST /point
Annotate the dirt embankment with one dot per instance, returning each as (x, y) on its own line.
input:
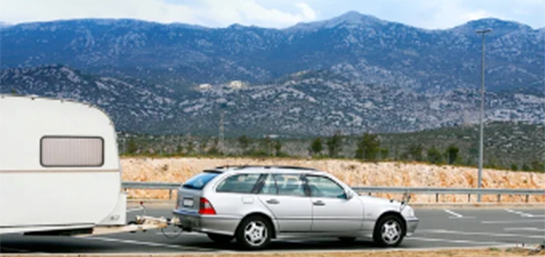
(352, 172)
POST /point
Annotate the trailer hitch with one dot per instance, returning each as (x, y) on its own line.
(144, 222)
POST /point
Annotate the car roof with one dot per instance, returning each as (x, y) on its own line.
(263, 168)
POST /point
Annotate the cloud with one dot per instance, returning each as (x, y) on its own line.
(217, 13)
(430, 14)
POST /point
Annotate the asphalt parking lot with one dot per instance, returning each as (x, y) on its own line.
(438, 228)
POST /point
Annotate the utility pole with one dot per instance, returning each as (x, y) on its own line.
(222, 130)
(481, 115)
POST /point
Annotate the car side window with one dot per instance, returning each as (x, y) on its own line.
(240, 183)
(269, 186)
(324, 187)
(289, 184)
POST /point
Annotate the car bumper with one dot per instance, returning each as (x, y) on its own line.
(412, 223)
(217, 224)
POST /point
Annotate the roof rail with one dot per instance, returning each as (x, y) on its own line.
(266, 167)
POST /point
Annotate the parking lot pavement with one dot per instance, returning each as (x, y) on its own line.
(438, 228)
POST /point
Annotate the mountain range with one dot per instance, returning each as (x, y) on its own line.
(351, 73)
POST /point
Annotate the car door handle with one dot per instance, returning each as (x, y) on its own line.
(273, 201)
(319, 203)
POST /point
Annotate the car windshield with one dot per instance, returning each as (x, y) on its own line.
(199, 181)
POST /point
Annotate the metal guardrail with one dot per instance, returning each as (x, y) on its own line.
(150, 185)
(369, 190)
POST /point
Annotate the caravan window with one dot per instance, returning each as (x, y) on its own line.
(59, 151)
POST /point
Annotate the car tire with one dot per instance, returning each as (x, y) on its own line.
(220, 239)
(389, 231)
(254, 233)
(347, 239)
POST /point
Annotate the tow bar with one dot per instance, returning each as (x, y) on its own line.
(143, 223)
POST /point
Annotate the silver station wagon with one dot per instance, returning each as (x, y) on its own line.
(254, 204)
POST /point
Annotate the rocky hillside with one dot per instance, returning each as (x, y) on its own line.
(354, 173)
(130, 103)
(295, 105)
(370, 50)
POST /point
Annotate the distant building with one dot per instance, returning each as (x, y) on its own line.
(205, 86)
(236, 84)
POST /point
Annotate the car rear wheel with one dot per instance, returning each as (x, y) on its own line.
(389, 231)
(254, 233)
(220, 239)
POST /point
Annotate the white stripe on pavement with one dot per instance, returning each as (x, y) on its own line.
(524, 229)
(491, 234)
(509, 221)
(522, 214)
(457, 215)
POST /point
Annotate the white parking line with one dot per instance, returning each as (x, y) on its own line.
(457, 215)
(509, 221)
(491, 234)
(107, 239)
(522, 214)
(452, 241)
(525, 229)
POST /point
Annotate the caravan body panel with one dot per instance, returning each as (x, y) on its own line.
(59, 165)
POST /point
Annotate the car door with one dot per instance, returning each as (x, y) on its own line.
(285, 196)
(332, 211)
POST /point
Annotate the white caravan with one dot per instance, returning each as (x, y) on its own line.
(59, 167)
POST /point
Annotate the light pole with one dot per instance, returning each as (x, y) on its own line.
(481, 115)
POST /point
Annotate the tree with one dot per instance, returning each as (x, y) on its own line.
(368, 147)
(214, 151)
(14, 91)
(434, 156)
(415, 152)
(266, 145)
(538, 166)
(190, 147)
(452, 154)
(384, 153)
(179, 149)
(334, 144)
(316, 146)
(203, 146)
(132, 148)
(277, 148)
(514, 167)
(244, 142)
(525, 167)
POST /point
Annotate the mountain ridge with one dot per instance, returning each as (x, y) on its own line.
(181, 55)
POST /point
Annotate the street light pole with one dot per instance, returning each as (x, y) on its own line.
(481, 115)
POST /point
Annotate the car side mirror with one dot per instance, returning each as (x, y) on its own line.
(349, 194)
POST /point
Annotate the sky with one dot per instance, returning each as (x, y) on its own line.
(428, 14)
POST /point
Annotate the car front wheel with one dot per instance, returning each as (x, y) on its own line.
(389, 231)
(254, 233)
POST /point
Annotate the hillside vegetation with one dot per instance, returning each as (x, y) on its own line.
(507, 146)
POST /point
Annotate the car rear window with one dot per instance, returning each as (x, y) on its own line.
(199, 181)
